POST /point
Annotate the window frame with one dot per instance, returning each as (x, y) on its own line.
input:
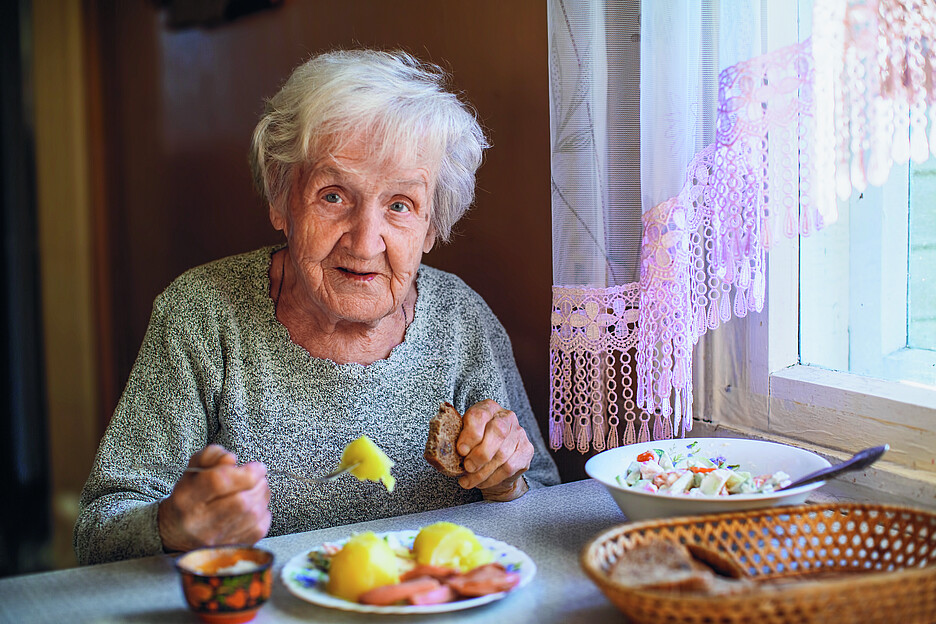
(749, 382)
(855, 288)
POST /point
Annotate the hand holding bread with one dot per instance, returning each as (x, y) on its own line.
(489, 451)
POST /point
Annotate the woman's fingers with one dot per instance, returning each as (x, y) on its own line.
(486, 427)
(212, 455)
(495, 446)
(222, 479)
(510, 461)
(225, 504)
(239, 517)
(505, 464)
(474, 425)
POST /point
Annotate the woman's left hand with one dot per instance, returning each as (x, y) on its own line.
(496, 450)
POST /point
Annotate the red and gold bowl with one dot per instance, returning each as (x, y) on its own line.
(226, 584)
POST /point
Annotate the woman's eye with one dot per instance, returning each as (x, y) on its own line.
(399, 207)
(333, 198)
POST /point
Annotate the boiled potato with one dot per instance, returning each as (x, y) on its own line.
(450, 545)
(363, 563)
(372, 463)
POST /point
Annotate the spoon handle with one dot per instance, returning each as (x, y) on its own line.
(331, 476)
(861, 459)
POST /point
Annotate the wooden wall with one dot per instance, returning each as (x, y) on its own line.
(175, 108)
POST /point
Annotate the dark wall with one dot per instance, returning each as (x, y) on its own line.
(24, 456)
(177, 108)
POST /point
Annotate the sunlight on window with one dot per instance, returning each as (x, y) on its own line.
(922, 263)
(868, 282)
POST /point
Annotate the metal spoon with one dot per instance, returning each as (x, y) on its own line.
(861, 459)
(331, 476)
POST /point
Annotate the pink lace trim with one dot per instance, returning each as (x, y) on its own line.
(875, 79)
(592, 369)
(785, 121)
(704, 251)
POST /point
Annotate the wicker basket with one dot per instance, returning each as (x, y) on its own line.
(891, 550)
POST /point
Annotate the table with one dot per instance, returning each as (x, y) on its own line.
(550, 524)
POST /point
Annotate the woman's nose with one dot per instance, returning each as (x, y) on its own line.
(365, 234)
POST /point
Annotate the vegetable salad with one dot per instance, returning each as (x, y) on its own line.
(691, 474)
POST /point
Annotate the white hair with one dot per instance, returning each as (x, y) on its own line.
(403, 107)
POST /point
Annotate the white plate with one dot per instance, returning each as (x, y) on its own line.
(308, 583)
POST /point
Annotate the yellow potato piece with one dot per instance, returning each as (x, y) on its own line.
(372, 463)
(363, 563)
(450, 545)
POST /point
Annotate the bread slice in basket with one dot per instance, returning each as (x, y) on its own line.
(444, 429)
(665, 565)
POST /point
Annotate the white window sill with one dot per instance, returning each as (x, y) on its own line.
(829, 385)
(824, 407)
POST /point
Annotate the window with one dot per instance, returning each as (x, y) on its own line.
(842, 358)
(922, 265)
(867, 283)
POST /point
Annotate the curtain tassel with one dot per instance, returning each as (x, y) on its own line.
(630, 436)
(612, 437)
(644, 434)
(583, 439)
(555, 434)
(598, 439)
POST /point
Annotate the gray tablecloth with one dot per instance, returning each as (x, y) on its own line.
(550, 524)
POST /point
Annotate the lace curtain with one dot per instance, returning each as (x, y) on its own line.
(666, 198)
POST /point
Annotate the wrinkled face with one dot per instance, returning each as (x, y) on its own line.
(357, 231)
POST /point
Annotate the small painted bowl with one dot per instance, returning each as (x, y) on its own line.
(226, 584)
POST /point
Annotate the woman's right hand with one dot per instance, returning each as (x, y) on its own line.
(226, 504)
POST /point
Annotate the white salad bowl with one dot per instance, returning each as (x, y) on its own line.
(754, 456)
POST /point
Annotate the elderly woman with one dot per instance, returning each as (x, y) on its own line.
(280, 357)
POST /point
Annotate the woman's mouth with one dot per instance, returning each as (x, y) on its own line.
(364, 277)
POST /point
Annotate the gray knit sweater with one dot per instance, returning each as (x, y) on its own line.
(216, 366)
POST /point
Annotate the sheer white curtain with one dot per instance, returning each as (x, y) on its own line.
(633, 101)
(594, 62)
(685, 45)
(736, 144)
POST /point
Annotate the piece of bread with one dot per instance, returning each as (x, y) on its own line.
(664, 565)
(727, 586)
(444, 429)
(719, 562)
(661, 565)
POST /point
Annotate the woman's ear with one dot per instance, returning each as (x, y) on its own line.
(278, 219)
(429, 243)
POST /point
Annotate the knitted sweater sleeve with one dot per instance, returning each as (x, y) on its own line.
(162, 418)
(492, 373)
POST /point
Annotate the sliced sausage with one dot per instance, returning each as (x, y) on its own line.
(439, 595)
(432, 571)
(483, 580)
(400, 592)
